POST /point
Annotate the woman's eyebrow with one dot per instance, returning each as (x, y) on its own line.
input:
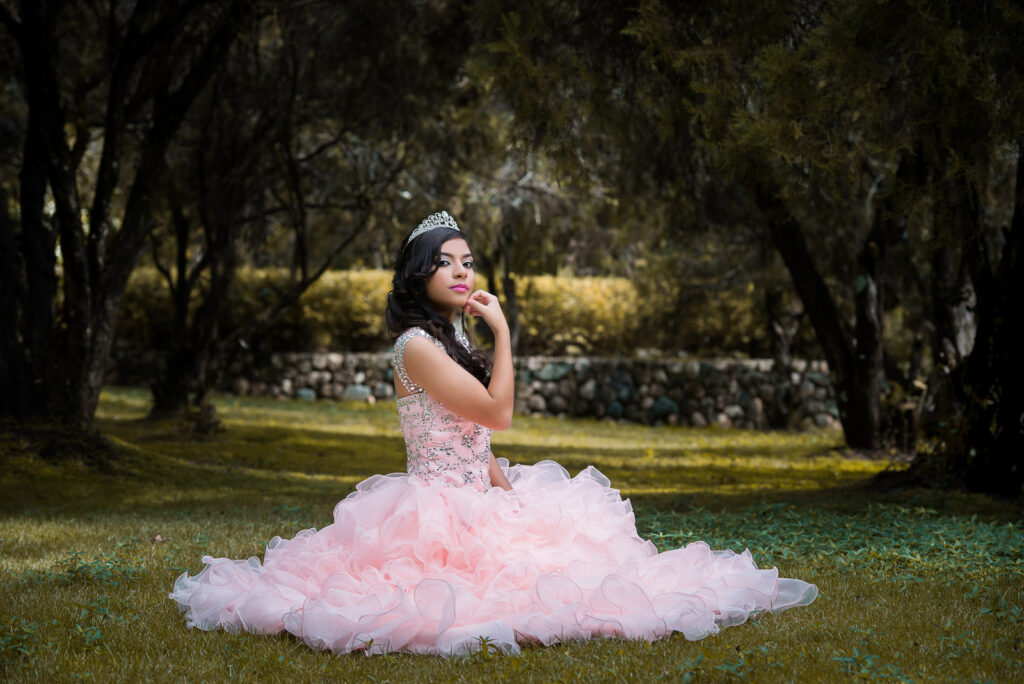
(450, 256)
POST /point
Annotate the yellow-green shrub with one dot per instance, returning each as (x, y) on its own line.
(344, 310)
(589, 315)
(704, 320)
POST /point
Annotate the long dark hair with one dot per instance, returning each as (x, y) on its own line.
(409, 307)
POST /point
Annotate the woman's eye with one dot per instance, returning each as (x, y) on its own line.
(468, 264)
(444, 262)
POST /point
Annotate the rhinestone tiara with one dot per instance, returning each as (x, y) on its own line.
(439, 220)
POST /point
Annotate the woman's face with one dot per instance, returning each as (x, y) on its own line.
(454, 280)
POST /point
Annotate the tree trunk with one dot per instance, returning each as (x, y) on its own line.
(55, 350)
(13, 362)
(951, 312)
(821, 309)
(484, 264)
(28, 288)
(855, 361)
(170, 386)
(990, 384)
(781, 329)
(508, 286)
(865, 386)
(191, 340)
(61, 363)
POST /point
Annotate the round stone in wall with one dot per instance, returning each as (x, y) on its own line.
(664, 407)
(615, 410)
(356, 393)
(588, 389)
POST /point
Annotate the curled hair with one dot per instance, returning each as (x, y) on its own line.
(409, 307)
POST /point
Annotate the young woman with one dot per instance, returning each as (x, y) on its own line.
(462, 550)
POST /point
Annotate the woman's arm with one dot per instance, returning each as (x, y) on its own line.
(457, 388)
(498, 478)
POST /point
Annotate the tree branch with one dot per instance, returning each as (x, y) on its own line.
(1010, 271)
(113, 132)
(43, 96)
(154, 252)
(814, 293)
(169, 111)
(135, 45)
(271, 313)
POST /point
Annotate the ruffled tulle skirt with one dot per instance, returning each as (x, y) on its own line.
(434, 569)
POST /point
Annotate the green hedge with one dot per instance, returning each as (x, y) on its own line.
(560, 315)
(344, 311)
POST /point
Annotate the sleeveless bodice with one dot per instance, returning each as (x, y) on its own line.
(441, 447)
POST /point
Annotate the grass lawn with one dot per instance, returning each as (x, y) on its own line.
(915, 585)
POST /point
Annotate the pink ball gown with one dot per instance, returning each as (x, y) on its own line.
(435, 560)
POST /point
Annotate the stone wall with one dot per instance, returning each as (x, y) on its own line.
(725, 392)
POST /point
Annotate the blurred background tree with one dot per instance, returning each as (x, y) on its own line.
(836, 179)
(289, 159)
(98, 93)
(860, 138)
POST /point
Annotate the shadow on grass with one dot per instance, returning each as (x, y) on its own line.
(290, 453)
(252, 464)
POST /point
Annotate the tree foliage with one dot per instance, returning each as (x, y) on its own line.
(122, 75)
(860, 137)
(289, 159)
(871, 152)
(206, 134)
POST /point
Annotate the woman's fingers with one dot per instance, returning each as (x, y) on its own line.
(479, 301)
(482, 297)
(484, 305)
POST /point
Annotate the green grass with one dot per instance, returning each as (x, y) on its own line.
(915, 585)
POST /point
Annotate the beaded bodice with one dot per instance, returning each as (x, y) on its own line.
(441, 447)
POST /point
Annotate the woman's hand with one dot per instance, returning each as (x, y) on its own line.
(485, 305)
(433, 370)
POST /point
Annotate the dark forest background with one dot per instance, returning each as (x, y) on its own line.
(856, 166)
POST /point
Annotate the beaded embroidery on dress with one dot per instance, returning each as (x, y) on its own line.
(441, 446)
(436, 561)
